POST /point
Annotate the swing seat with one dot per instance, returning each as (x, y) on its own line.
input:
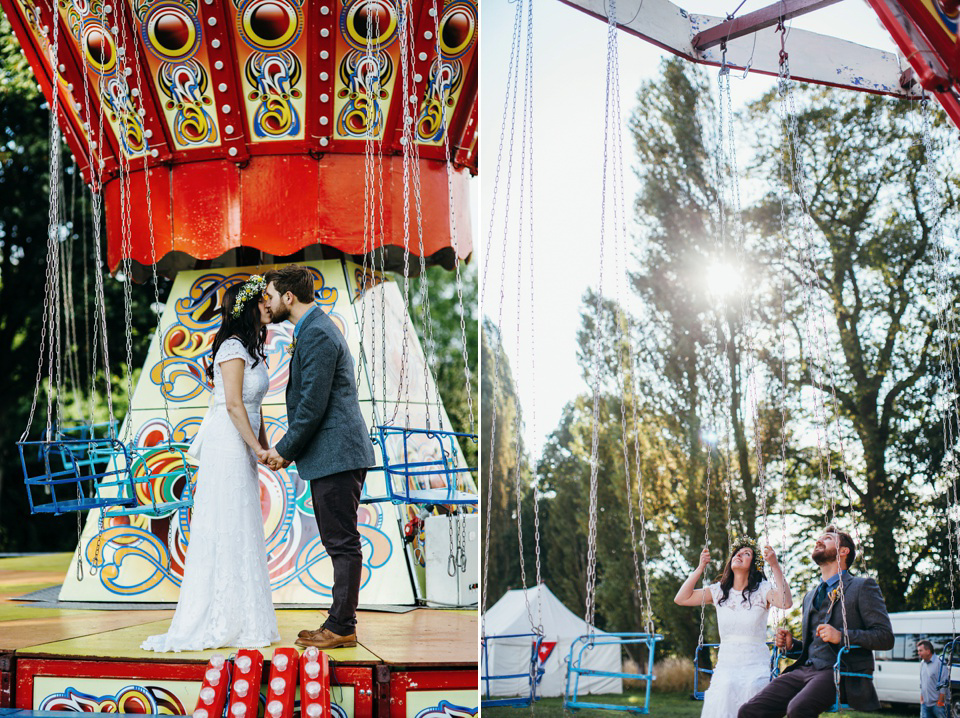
(83, 430)
(697, 670)
(575, 669)
(161, 481)
(533, 675)
(428, 468)
(838, 675)
(68, 479)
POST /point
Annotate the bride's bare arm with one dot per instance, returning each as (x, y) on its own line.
(688, 595)
(778, 596)
(231, 371)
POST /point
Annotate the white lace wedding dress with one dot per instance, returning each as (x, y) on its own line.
(743, 662)
(225, 595)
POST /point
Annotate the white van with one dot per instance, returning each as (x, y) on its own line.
(897, 675)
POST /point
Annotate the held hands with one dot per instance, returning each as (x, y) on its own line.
(274, 460)
(829, 634)
(784, 639)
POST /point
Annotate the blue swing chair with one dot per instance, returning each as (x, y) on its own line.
(533, 675)
(161, 481)
(73, 475)
(430, 468)
(575, 668)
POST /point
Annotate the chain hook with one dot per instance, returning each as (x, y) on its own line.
(781, 28)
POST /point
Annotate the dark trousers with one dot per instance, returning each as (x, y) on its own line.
(336, 499)
(804, 692)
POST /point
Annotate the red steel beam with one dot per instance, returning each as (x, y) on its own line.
(755, 21)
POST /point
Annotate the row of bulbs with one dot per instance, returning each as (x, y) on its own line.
(241, 686)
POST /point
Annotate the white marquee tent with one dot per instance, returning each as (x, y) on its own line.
(561, 627)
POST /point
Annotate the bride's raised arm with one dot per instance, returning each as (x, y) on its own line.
(778, 596)
(688, 595)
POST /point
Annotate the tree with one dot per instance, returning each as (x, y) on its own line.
(24, 189)
(865, 270)
(446, 334)
(500, 464)
(690, 343)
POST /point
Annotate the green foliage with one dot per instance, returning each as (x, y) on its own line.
(500, 463)
(695, 358)
(446, 311)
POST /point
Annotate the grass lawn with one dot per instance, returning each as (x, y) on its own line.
(664, 705)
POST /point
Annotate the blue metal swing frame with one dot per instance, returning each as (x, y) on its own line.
(76, 468)
(697, 670)
(112, 470)
(839, 674)
(533, 676)
(142, 475)
(401, 476)
(589, 642)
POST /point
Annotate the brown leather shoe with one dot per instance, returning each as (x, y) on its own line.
(326, 639)
(307, 633)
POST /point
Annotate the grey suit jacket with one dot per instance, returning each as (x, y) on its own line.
(326, 433)
(868, 626)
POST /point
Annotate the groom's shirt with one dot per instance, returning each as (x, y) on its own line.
(821, 655)
(296, 327)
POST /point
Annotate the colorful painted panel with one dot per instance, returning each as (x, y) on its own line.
(114, 695)
(91, 31)
(457, 34)
(442, 704)
(171, 31)
(163, 697)
(367, 67)
(176, 377)
(434, 694)
(271, 45)
(29, 13)
(947, 17)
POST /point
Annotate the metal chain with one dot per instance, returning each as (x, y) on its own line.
(510, 92)
(948, 371)
(148, 153)
(800, 185)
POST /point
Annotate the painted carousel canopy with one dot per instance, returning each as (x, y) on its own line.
(212, 125)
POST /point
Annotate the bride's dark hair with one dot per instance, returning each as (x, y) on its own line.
(754, 577)
(246, 327)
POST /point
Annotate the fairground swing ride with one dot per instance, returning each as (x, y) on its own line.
(926, 33)
(219, 139)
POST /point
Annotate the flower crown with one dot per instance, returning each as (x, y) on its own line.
(253, 287)
(747, 542)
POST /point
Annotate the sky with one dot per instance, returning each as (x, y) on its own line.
(570, 50)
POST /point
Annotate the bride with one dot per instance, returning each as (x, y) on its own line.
(225, 595)
(743, 596)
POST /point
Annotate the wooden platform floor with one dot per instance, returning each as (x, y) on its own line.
(423, 637)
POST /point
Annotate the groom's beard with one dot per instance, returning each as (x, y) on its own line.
(280, 314)
(821, 556)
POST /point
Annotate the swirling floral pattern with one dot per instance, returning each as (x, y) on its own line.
(446, 709)
(104, 62)
(129, 699)
(365, 77)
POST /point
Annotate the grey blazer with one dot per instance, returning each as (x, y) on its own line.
(326, 433)
(868, 626)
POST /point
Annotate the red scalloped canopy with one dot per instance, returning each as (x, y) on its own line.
(245, 122)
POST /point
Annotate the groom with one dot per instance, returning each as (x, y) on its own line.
(806, 688)
(327, 438)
